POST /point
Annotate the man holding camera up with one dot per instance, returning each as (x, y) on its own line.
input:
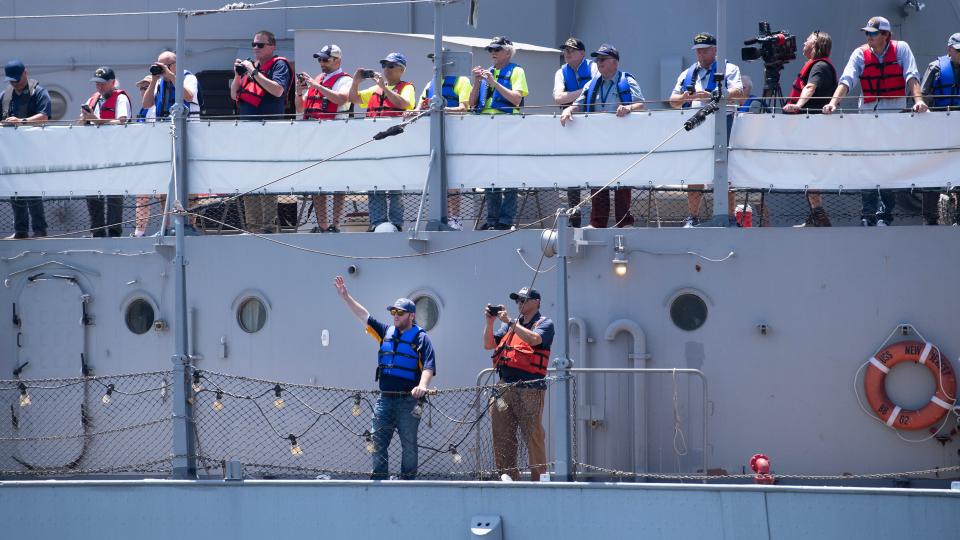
(521, 354)
(389, 96)
(260, 87)
(327, 97)
(162, 92)
(694, 88)
(405, 366)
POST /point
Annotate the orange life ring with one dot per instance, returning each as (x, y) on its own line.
(926, 354)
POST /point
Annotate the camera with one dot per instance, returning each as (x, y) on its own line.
(156, 70)
(240, 69)
(368, 73)
(494, 310)
(774, 48)
(301, 78)
(692, 87)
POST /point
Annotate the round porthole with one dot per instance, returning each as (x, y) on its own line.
(139, 316)
(58, 105)
(252, 315)
(688, 311)
(428, 312)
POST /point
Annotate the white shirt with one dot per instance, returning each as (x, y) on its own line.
(342, 86)
(191, 84)
(732, 81)
(558, 84)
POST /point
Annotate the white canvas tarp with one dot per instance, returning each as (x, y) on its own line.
(851, 151)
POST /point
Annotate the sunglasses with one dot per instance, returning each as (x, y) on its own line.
(322, 60)
(396, 312)
(872, 34)
(390, 65)
(258, 45)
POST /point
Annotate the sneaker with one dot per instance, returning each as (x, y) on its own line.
(455, 223)
(316, 230)
(486, 227)
(331, 229)
(817, 218)
(505, 478)
(691, 222)
(881, 223)
(137, 233)
(39, 234)
(18, 236)
(503, 226)
(866, 223)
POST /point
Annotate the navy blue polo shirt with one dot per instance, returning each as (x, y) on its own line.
(389, 383)
(37, 103)
(544, 330)
(270, 105)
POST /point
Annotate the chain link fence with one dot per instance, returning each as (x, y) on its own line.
(84, 426)
(473, 209)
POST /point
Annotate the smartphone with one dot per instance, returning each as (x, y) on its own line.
(368, 73)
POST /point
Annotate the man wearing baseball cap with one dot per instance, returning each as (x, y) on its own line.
(521, 353)
(887, 74)
(326, 97)
(405, 365)
(389, 96)
(24, 101)
(941, 89)
(568, 84)
(694, 87)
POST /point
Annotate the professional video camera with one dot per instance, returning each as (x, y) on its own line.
(775, 48)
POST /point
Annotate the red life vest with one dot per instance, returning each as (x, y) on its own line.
(801, 80)
(318, 107)
(881, 78)
(108, 109)
(250, 91)
(517, 353)
(380, 106)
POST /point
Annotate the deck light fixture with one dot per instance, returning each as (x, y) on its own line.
(278, 402)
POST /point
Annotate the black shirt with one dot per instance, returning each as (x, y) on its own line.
(824, 76)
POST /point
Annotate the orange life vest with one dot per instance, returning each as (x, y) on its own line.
(108, 109)
(316, 106)
(381, 106)
(881, 77)
(517, 353)
(801, 80)
(250, 91)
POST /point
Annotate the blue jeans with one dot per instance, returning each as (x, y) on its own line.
(501, 206)
(25, 208)
(393, 413)
(378, 209)
(878, 206)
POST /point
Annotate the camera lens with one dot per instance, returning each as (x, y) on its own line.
(155, 70)
(240, 69)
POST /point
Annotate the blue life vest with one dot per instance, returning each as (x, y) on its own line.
(689, 79)
(142, 115)
(398, 355)
(946, 84)
(623, 90)
(499, 102)
(162, 106)
(746, 104)
(575, 81)
(453, 100)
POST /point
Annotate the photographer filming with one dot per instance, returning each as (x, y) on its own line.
(521, 353)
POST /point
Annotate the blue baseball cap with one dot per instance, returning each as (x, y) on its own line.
(405, 304)
(14, 70)
(606, 50)
(525, 293)
(396, 58)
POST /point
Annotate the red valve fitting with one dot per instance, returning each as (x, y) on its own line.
(760, 464)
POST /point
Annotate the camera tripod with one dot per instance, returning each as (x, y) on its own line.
(772, 99)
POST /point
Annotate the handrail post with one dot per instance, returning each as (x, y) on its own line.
(560, 389)
(184, 443)
(437, 176)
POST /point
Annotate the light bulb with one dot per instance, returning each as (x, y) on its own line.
(106, 399)
(197, 385)
(370, 446)
(295, 449)
(163, 390)
(499, 402)
(356, 411)
(417, 411)
(278, 403)
(24, 396)
(457, 458)
(620, 268)
(218, 403)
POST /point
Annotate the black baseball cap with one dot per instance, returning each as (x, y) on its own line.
(103, 74)
(606, 50)
(704, 40)
(525, 293)
(573, 43)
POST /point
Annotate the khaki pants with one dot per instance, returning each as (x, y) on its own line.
(524, 411)
(260, 213)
